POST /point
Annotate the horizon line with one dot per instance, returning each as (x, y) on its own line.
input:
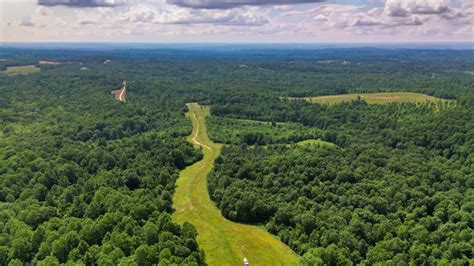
(231, 42)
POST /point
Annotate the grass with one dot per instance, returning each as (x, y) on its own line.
(317, 142)
(374, 98)
(22, 70)
(230, 130)
(224, 242)
(471, 72)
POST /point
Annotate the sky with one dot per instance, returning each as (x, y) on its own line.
(237, 21)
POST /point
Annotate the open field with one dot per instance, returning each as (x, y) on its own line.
(225, 242)
(315, 142)
(373, 98)
(469, 72)
(41, 62)
(120, 93)
(233, 131)
(22, 70)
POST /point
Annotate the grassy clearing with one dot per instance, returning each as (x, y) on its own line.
(22, 70)
(232, 131)
(48, 62)
(374, 98)
(316, 142)
(225, 242)
(471, 72)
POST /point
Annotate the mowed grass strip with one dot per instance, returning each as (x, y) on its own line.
(316, 142)
(374, 98)
(224, 242)
(22, 70)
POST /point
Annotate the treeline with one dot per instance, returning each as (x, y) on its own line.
(357, 121)
(203, 74)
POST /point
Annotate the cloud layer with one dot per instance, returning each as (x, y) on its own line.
(81, 3)
(243, 20)
(397, 8)
(145, 14)
(225, 4)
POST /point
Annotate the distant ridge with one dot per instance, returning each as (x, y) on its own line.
(233, 46)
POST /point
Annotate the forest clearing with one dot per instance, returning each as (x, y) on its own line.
(374, 98)
(28, 69)
(43, 62)
(120, 93)
(224, 242)
(317, 142)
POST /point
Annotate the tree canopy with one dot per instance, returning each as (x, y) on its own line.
(88, 180)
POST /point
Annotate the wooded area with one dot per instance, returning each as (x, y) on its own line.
(86, 179)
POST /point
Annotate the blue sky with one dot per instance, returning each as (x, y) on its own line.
(270, 21)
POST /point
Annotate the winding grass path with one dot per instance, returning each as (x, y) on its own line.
(224, 242)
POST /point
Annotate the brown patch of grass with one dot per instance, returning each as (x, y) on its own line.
(120, 93)
(48, 63)
(15, 70)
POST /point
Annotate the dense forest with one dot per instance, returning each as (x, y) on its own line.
(85, 179)
(88, 180)
(398, 187)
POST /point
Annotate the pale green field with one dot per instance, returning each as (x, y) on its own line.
(22, 70)
(315, 142)
(224, 242)
(374, 98)
(471, 72)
